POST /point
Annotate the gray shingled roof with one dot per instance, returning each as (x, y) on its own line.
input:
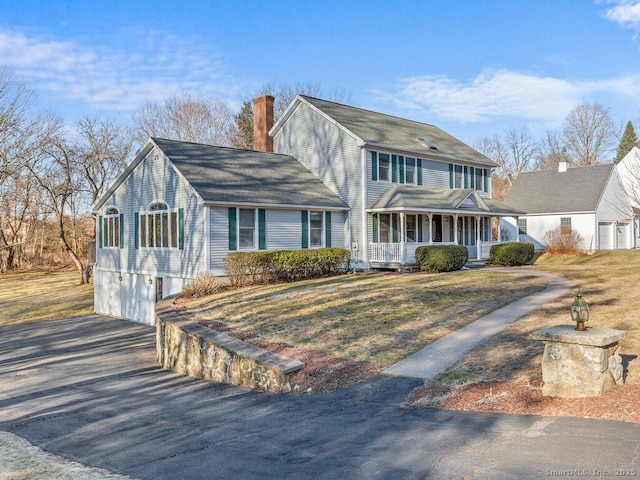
(422, 198)
(230, 176)
(378, 128)
(576, 190)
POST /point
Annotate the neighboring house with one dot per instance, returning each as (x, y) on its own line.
(629, 173)
(588, 200)
(342, 177)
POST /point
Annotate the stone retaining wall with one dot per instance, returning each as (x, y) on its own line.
(199, 352)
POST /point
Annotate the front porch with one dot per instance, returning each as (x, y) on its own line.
(397, 255)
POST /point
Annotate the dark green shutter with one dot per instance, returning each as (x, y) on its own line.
(121, 230)
(99, 231)
(419, 168)
(451, 175)
(401, 163)
(181, 228)
(472, 177)
(374, 219)
(233, 231)
(419, 227)
(262, 229)
(487, 175)
(466, 176)
(327, 229)
(394, 168)
(305, 229)
(374, 166)
(136, 229)
(394, 226)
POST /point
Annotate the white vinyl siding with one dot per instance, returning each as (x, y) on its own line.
(336, 161)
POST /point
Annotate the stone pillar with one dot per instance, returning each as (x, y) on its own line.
(579, 364)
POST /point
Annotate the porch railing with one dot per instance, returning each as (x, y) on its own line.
(392, 252)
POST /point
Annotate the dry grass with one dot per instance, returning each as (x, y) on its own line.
(371, 318)
(29, 297)
(609, 282)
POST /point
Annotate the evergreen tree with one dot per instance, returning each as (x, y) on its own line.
(241, 134)
(628, 140)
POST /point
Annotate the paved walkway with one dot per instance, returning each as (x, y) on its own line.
(441, 354)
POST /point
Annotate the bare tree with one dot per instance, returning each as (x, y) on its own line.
(185, 118)
(551, 152)
(590, 135)
(100, 153)
(514, 152)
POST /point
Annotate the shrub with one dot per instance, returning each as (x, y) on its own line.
(204, 283)
(512, 254)
(245, 268)
(441, 258)
(561, 242)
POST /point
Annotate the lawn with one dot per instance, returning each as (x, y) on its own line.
(609, 282)
(35, 296)
(372, 318)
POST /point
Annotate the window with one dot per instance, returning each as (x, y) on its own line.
(384, 167)
(411, 228)
(457, 176)
(160, 228)
(111, 228)
(522, 226)
(410, 170)
(247, 228)
(385, 228)
(565, 225)
(479, 179)
(315, 229)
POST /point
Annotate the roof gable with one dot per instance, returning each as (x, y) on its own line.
(575, 190)
(379, 129)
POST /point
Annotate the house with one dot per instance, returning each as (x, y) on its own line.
(324, 175)
(629, 173)
(589, 200)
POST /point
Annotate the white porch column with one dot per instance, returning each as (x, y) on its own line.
(517, 229)
(430, 228)
(478, 238)
(402, 239)
(455, 229)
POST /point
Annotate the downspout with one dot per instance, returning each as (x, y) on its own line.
(207, 238)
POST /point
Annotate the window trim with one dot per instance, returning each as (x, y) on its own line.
(111, 220)
(254, 243)
(522, 226)
(388, 168)
(170, 230)
(565, 225)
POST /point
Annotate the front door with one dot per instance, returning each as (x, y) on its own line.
(436, 228)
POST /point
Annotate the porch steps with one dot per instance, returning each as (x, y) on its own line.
(473, 264)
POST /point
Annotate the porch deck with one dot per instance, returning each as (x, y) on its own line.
(402, 255)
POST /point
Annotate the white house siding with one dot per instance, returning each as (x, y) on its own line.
(283, 232)
(538, 225)
(153, 180)
(330, 154)
(615, 207)
(284, 229)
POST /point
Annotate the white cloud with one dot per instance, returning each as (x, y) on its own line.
(503, 94)
(624, 12)
(132, 70)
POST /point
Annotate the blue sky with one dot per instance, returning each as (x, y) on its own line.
(473, 68)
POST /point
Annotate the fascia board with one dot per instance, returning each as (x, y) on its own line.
(294, 105)
(139, 156)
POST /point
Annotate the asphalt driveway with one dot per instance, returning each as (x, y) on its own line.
(88, 388)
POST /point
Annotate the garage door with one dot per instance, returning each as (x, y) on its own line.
(605, 235)
(622, 235)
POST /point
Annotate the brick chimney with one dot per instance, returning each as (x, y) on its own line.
(262, 123)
